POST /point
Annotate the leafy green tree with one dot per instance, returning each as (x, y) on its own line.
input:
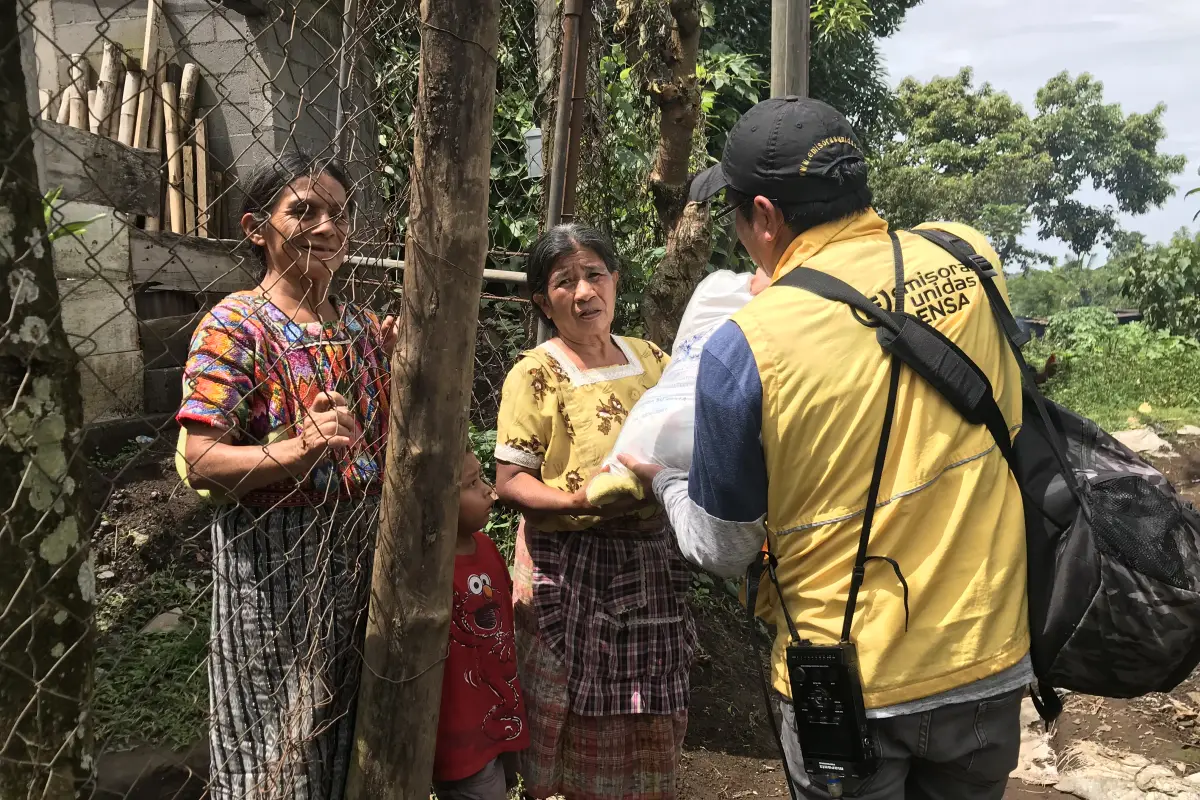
(1163, 281)
(1075, 284)
(975, 155)
(845, 70)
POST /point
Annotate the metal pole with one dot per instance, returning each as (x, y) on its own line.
(578, 103)
(572, 12)
(344, 59)
(790, 47)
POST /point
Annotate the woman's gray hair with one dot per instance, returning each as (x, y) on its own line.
(559, 242)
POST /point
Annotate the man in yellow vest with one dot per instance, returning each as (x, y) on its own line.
(790, 402)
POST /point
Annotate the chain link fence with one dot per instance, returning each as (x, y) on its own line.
(228, 611)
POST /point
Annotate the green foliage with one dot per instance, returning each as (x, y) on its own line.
(974, 155)
(1163, 281)
(55, 229)
(515, 198)
(1108, 372)
(1044, 292)
(152, 687)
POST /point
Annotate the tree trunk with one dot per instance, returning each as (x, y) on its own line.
(685, 226)
(409, 622)
(47, 582)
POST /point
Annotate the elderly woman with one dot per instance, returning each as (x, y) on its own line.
(284, 420)
(605, 638)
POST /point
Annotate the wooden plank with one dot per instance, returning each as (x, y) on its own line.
(189, 189)
(93, 169)
(203, 212)
(165, 341)
(162, 390)
(155, 142)
(189, 264)
(151, 63)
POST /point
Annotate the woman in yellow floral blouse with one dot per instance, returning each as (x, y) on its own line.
(604, 637)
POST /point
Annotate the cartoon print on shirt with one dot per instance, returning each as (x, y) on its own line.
(476, 625)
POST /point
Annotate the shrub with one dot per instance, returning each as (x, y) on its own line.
(1108, 372)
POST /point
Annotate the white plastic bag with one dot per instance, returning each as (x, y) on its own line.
(660, 424)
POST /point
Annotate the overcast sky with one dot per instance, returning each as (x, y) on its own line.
(1144, 51)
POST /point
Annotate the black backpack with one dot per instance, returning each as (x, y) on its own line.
(1113, 551)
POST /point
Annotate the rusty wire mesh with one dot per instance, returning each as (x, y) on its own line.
(227, 628)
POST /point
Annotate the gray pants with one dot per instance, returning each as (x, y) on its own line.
(956, 752)
(487, 784)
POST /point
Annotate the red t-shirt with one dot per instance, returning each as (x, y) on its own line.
(482, 713)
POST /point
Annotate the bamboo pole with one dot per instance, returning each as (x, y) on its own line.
(155, 142)
(79, 107)
(187, 98)
(93, 120)
(45, 100)
(202, 209)
(64, 107)
(129, 106)
(174, 154)
(151, 63)
(106, 86)
(409, 619)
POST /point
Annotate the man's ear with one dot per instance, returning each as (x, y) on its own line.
(767, 218)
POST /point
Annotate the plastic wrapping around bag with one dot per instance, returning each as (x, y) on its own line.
(659, 427)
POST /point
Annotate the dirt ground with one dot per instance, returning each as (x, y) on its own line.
(151, 524)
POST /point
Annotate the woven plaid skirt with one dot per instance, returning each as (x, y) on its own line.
(617, 757)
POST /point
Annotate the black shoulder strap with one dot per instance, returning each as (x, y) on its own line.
(966, 255)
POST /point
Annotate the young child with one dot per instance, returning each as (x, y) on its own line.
(483, 716)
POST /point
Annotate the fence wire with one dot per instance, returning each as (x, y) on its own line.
(227, 625)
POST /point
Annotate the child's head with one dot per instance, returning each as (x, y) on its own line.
(475, 496)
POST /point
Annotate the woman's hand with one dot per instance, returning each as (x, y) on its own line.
(388, 331)
(328, 425)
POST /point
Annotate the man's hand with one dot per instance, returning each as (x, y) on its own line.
(645, 472)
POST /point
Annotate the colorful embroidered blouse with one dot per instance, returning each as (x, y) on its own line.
(253, 370)
(563, 420)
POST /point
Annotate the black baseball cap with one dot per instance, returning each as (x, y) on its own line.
(787, 149)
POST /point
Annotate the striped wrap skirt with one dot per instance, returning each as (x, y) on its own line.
(290, 592)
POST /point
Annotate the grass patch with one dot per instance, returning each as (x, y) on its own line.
(1120, 376)
(152, 687)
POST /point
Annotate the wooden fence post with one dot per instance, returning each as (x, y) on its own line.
(408, 628)
(47, 583)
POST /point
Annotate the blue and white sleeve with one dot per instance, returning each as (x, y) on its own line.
(719, 508)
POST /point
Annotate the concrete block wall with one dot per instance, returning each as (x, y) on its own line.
(267, 83)
(96, 296)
